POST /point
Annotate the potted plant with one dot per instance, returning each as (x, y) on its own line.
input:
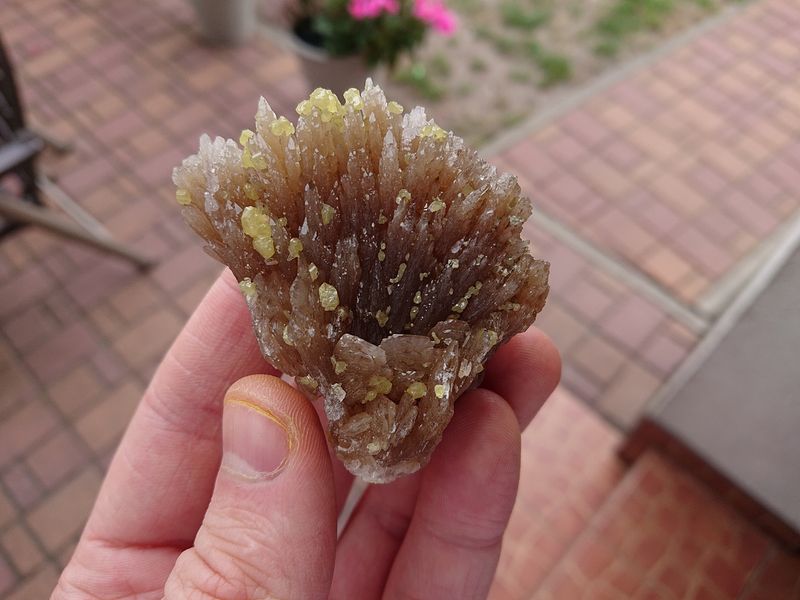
(338, 41)
(226, 22)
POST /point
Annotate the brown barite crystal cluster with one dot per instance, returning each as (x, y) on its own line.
(381, 259)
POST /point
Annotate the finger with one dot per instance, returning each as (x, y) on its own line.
(270, 529)
(160, 480)
(468, 490)
(172, 446)
(525, 371)
(369, 543)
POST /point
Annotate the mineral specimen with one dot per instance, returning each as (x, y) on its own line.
(381, 259)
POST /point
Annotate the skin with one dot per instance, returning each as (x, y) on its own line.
(169, 522)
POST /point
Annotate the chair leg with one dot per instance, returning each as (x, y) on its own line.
(18, 210)
(56, 143)
(59, 198)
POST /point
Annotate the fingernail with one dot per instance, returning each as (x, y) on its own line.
(255, 441)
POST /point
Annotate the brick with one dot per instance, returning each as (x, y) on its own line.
(27, 425)
(21, 548)
(691, 287)
(562, 326)
(65, 554)
(565, 149)
(628, 394)
(585, 128)
(622, 154)
(149, 142)
(751, 215)
(7, 510)
(711, 259)
(530, 161)
(618, 231)
(7, 577)
(657, 218)
(617, 117)
(583, 385)
(783, 174)
(652, 143)
(61, 516)
(136, 219)
(588, 299)
(21, 484)
(57, 458)
(725, 160)
(18, 389)
(103, 277)
(603, 178)
(596, 356)
(631, 94)
(718, 226)
(121, 127)
(24, 289)
(706, 180)
(108, 105)
(632, 321)
(678, 195)
(183, 268)
(46, 63)
(105, 423)
(109, 365)
(159, 105)
(191, 297)
(75, 390)
(40, 585)
(149, 338)
(565, 189)
(664, 354)
(136, 298)
(94, 173)
(107, 320)
(62, 352)
(665, 266)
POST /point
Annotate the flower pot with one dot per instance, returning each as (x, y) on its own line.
(226, 22)
(332, 72)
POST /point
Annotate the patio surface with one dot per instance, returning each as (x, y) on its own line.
(674, 175)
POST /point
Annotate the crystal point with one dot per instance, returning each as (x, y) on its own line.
(381, 259)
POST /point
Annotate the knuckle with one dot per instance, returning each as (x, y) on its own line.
(229, 561)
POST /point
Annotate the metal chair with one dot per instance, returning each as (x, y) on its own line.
(19, 148)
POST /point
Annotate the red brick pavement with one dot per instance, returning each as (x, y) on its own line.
(683, 167)
(650, 170)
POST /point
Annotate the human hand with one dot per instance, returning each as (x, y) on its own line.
(238, 499)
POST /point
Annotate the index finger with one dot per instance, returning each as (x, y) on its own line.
(162, 475)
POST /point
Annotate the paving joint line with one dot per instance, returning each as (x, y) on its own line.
(714, 301)
(622, 271)
(746, 297)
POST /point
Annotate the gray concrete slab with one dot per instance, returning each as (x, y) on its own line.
(740, 411)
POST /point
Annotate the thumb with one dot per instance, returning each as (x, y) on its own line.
(270, 528)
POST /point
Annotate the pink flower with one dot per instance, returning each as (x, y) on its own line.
(369, 9)
(435, 14)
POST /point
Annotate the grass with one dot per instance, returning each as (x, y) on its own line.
(555, 68)
(478, 65)
(520, 76)
(439, 66)
(504, 45)
(626, 18)
(517, 17)
(418, 77)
